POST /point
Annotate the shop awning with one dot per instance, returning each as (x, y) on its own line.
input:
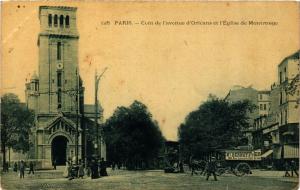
(266, 154)
(288, 133)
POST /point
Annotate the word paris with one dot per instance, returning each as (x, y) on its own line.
(188, 23)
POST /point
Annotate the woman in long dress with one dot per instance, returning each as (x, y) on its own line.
(66, 171)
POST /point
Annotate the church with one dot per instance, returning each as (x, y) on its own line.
(56, 93)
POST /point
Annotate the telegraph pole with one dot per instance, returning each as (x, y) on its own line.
(97, 80)
(77, 117)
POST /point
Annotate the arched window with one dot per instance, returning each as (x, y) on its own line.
(67, 21)
(50, 20)
(55, 20)
(61, 21)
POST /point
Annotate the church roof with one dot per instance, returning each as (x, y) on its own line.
(69, 122)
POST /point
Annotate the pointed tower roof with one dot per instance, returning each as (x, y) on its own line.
(34, 76)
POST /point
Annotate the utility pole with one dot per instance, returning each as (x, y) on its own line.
(77, 117)
(75, 93)
(97, 80)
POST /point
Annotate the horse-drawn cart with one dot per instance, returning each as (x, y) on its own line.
(236, 162)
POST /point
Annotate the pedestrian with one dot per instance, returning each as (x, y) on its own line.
(181, 170)
(287, 169)
(193, 166)
(113, 165)
(88, 168)
(22, 169)
(15, 167)
(66, 173)
(103, 171)
(94, 169)
(211, 168)
(31, 168)
(294, 168)
(81, 170)
(71, 170)
(54, 163)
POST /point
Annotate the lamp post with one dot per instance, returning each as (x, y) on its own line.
(97, 80)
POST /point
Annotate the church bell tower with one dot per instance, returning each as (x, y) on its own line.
(58, 59)
(56, 93)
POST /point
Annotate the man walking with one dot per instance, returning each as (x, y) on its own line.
(211, 168)
(31, 168)
(287, 169)
(22, 169)
(103, 171)
(294, 168)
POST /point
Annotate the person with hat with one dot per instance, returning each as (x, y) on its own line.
(211, 168)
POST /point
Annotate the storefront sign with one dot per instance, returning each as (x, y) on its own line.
(268, 130)
(243, 155)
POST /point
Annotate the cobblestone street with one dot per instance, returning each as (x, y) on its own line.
(158, 180)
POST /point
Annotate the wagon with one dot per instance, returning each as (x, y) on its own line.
(237, 162)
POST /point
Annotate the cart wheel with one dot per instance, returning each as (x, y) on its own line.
(220, 171)
(242, 169)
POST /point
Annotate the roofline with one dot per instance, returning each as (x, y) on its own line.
(290, 57)
(56, 7)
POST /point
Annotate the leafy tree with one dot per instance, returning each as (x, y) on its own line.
(16, 121)
(132, 137)
(216, 124)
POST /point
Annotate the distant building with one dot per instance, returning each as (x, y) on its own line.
(263, 102)
(240, 93)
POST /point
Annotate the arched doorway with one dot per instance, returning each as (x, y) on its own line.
(59, 150)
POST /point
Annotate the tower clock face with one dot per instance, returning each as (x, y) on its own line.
(59, 66)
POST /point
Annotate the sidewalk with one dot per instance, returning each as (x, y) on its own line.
(273, 174)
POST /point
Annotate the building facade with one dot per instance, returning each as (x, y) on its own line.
(288, 70)
(56, 93)
(276, 130)
(263, 102)
(275, 122)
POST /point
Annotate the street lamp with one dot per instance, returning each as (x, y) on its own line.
(97, 80)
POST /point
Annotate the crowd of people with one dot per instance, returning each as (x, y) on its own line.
(20, 167)
(96, 168)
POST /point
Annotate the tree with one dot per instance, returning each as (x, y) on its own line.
(216, 124)
(132, 137)
(16, 121)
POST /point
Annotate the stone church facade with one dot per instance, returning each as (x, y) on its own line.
(56, 93)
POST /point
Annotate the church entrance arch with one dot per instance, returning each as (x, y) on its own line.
(59, 149)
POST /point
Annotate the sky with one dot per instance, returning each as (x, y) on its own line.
(170, 68)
